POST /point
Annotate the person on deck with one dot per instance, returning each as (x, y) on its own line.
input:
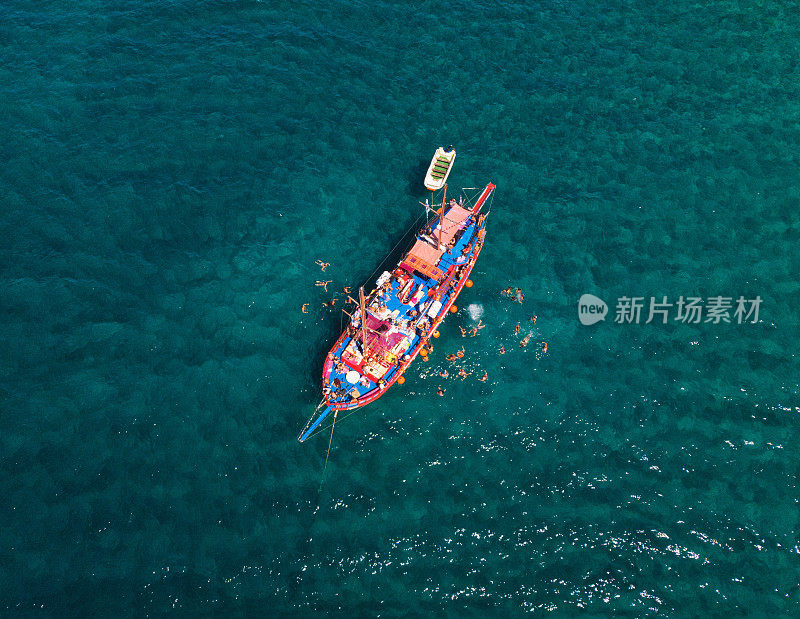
(428, 235)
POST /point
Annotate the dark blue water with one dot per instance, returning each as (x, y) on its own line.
(172, 170)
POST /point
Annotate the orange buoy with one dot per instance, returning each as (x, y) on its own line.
(401, 380)
(453, 309)
(436, 334)
(468, 283)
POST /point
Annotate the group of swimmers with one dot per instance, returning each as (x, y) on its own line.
(515, 294)
(473, 331)
(324, 285)
(462, 373)
(524, 342)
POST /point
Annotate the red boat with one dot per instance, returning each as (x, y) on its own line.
(394, 322)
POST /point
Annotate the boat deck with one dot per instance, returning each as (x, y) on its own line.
(393, 303)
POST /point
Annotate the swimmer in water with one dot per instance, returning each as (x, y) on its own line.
(463, 373)
(440, 391)
(544, 348)
(484, 378)
(502, 350)
(533, 318)
(463, 331)
(520, 297)
(444, 374)
(480, 325)
(473, 332)
(323, 265)
(516, 329)
(460, 353)
(304, 309)
(525, 341)
(506, 292)
(451, 357)
(323, 284)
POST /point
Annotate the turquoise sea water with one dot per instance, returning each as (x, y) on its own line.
(170, 172)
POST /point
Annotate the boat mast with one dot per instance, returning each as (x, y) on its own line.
(363, 318)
